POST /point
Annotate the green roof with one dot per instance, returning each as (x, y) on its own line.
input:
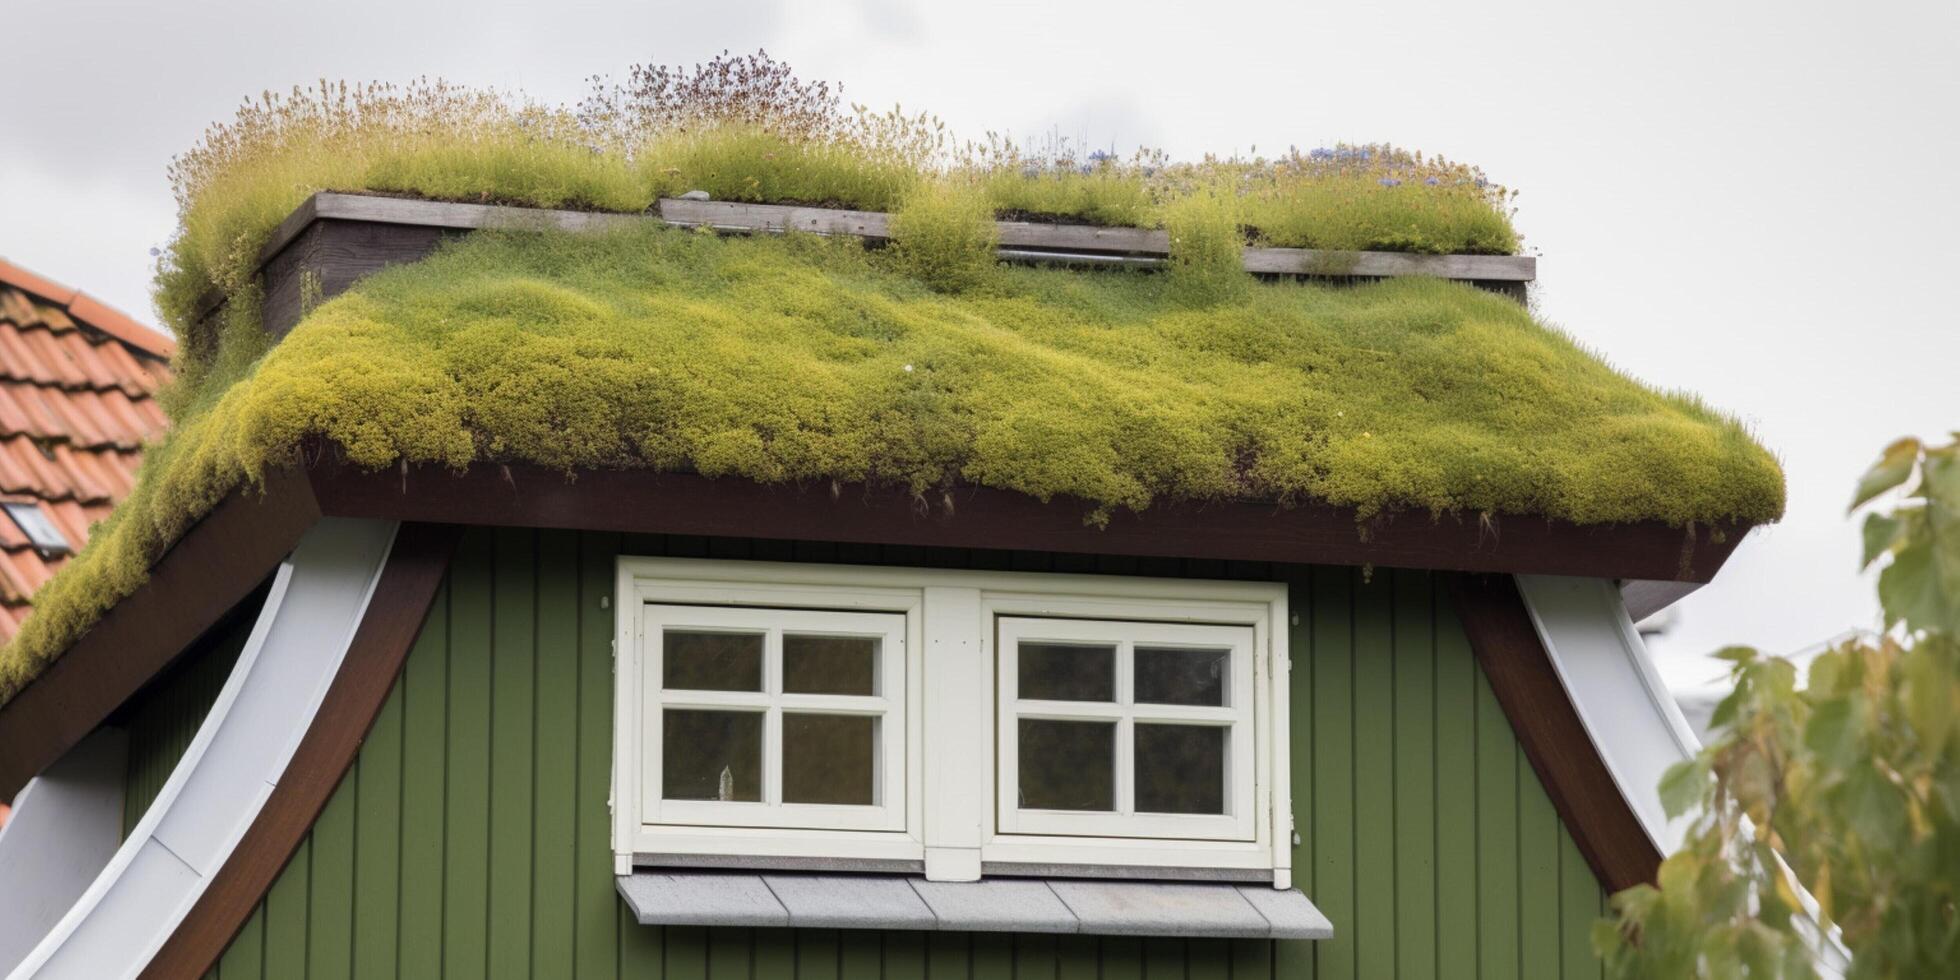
(797, 359)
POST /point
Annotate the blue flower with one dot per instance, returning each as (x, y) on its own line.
(1432, 181)
(1482, 182)
(1391, 182)
(1100, 156)
(1321, 153)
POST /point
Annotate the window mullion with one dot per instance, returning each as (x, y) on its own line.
(1126, 790)
(772, 725)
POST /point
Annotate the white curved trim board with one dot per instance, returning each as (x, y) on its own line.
(239, 754)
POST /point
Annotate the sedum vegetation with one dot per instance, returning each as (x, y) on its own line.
(1853, 779)
(747, 129)
(798, 359)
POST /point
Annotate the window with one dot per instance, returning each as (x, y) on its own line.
(40, 531)
(1125, 729)
(960, 723)
(774, 718)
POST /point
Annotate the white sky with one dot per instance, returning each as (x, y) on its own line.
(1755, 201)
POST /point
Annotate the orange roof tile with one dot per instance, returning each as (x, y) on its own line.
(78, 382)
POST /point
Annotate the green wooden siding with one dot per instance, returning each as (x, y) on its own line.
(470, 838)
(164, 717)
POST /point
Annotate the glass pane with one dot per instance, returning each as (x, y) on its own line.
(1068, 765)
(697, 661)
(1181, 675)
(1067, 671)
(1180, 769)
(830, 759)
(830, 664)
(711, 755)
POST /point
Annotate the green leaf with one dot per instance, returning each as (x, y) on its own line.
(1921, 587)
(1881, 531)
(1737, 655)
(1835, 731)
(1928, 695)
(1684, 785)
(1892, 469)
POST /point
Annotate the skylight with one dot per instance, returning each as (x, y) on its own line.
(38, 528)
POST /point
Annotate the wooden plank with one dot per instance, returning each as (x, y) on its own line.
(424, 774)
(993, 956)
(1549, 729)
(330, 899)
(1375, 714)
(1163, 959)
(949, 955)
(775, 954)
(1388, 265)
(1497, 839)
(244, 959)
(861, 953)
(1538, 877)
(285, 921)
(1415, 772)
(747, 217)
(1579, 897)
(729, 953)
(1077, 958)
(1257, 959)
(1122, 958)
(466, 841)
(686, 953)
(378, 836)
(599, 915)
(1456, 797)
(816, 954)
(555, 798)
(513, 717)
(640, 501)
(1296, 960)
(1034, 956)
(1332, 718)
(905, 956)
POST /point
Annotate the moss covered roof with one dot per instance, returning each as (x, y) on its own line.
(801, 359)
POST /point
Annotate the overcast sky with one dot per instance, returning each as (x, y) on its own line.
(1755, 201)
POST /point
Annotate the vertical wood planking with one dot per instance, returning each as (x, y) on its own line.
(165, 717)
(466, 841)
(1576, 913)
(1538, 881)
(285, 918)
(1415, 776)
(1497, 838)
(1456, 797)
(1333, 768)
(330, 902)
(425, 735)
(513, 717)
(378, 839)
(555, 801)
(1375, 711)
(1408, 791)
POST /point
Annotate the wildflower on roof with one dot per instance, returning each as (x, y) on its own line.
(1391, 182)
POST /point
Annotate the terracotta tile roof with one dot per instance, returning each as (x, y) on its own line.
(78, 382)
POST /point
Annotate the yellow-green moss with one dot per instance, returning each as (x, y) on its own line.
(794, 359)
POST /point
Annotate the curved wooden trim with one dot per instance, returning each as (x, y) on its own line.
(416, 565)
(1554, 738)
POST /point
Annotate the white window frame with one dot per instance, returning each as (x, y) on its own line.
(1237, 716)
(950, 826)
(887, 704)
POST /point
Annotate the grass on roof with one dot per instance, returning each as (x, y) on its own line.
(746, 129)
(804, 359)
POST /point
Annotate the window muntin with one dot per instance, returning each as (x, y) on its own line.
(1112, 728)
(783, 718)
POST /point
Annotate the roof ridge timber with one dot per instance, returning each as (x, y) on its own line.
(1022, 240)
